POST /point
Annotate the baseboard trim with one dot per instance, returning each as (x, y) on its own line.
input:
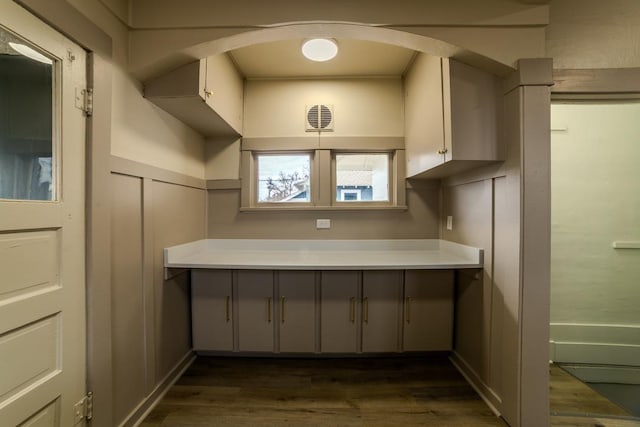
(486, 393)
(595, 344)
(143, 409)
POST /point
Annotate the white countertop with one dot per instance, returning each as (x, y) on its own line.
(274, 254)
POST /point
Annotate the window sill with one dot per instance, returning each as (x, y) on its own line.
(324, 208)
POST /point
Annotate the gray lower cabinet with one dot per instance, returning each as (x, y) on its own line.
(428, 310)
(211, 310)
(339, 311)
(296, 311)
(256, 309)
(268, 311)
(381, 311)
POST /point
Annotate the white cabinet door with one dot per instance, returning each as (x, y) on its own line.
(339, 312)
(428, 310)
(211, 310)
(297, 311)
(255, 310)
(381, 311)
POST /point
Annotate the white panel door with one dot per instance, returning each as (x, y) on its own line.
(42, 255)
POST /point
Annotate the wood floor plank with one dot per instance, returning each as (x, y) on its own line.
(354, 392)
(322, 392)
(568, 395)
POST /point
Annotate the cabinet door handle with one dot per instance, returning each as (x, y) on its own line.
(208, 93)
(366, 309)
(443, 151)
(269, 309)
(408, 309)
(227, 307)
(282, 300)
(352, 311)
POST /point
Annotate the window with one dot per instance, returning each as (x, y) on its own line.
(343, 173)
(362, 177)
(283, 178)
(27, 111)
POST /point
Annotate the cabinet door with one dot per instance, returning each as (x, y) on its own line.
(296, 311)
(255, 310)
(428, 310)
(424, 131)
(339, 311)
(211, 305)
(381, 311)
(224, 90)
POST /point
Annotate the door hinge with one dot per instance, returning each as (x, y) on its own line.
(84, 100)
(83, 410)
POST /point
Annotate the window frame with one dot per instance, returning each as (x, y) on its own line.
(56, 195)
(322, 171)
(334, 179)
(256, 177)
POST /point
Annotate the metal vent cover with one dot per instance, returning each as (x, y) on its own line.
(319, 118)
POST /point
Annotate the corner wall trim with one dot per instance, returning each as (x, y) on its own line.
(130, 167)
(485, 392)
(224, 184)
(530, 72)
(596, 82)
(324, 142)
(69, 21)
(146, 406)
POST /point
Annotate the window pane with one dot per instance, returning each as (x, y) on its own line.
(26, 125)
(283, 178)
(362, 177)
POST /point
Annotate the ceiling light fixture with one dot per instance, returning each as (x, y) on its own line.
(320, 50)
(30, 53)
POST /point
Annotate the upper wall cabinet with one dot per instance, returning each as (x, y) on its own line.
(206, 95)
(452, 118)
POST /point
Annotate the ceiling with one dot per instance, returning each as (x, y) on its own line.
(283, 59)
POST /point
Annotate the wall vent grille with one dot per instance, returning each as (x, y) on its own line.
(319, 118)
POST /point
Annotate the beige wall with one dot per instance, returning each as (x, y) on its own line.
(141, 131)
(595, 202)
(170, 32)
(594, 33)
(593, 320)
(362, 107)
(151, 320)
(503, 31)
(420, 221)
(501, 315)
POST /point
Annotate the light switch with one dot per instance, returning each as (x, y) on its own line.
(449, 222)
(323, 223)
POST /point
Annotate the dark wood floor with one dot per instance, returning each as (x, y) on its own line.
(322, 392)
(575, 404)
(347, 392)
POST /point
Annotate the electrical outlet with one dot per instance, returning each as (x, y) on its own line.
(449, 222)
(323, 223)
